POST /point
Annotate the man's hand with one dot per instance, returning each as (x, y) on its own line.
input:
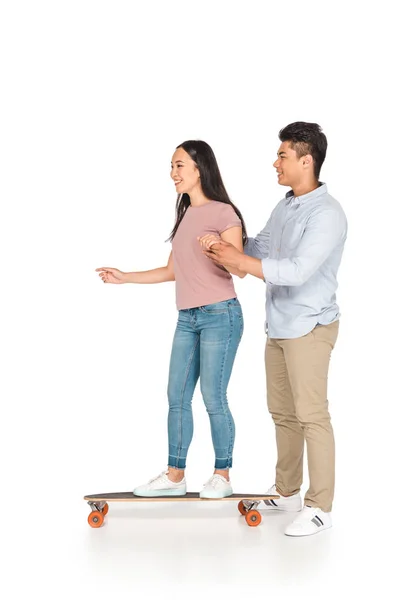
(223, 253)
(227, 255)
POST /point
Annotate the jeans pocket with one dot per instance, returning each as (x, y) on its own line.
(219, 308)
(237, 312)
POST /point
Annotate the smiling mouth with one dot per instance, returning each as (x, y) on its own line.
(178, 182)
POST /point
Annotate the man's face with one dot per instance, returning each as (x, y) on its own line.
(291, 169)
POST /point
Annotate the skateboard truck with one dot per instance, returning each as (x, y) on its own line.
(250, 504)
(97, 505)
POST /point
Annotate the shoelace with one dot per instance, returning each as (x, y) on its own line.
(160, 476)
(307, 515)
(215, 480)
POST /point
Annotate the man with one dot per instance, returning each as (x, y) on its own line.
(298, 254)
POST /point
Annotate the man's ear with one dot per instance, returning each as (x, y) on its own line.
(307, 161)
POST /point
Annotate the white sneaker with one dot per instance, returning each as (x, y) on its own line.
(161, 486)
(287, 504)
(216, 487)
(311, 520)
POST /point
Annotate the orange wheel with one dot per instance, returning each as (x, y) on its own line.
(96, 519)
(104, 510)
(242, 508)
(253, 518)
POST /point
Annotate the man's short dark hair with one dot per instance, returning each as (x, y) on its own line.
(306, 138)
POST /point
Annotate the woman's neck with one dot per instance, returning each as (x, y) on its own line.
(197, 198)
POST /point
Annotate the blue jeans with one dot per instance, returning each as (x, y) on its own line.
(205, 344)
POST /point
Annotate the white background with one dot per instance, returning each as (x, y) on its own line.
(95, 97)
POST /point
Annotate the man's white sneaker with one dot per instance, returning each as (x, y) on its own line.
(311, 520)
(287, 504)
(161, 486)
(216, 487)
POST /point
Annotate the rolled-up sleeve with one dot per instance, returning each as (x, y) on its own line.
(322, 234)
(258, 247)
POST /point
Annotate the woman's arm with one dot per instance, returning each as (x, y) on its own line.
(111, 275)
(234, 236)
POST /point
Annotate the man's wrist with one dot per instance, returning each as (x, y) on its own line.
(243, 263)
(251, 266)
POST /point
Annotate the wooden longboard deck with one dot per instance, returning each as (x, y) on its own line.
(193, 496)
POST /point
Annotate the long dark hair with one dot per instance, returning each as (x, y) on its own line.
(211, 183)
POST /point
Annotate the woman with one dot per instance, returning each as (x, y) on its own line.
(210, 322)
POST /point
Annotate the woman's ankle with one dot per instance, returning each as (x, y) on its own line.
(175, 475)
(223, 472)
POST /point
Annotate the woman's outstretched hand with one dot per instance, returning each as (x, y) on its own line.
(110, 275)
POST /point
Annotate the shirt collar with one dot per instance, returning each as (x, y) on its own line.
(319, 191)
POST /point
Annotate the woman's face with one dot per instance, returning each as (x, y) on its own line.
(184, 172)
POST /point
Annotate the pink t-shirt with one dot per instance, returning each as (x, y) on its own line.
(199, 281)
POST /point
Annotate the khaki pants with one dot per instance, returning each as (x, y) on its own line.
(297, 381)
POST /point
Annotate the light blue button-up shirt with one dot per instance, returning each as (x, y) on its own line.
(300, 249)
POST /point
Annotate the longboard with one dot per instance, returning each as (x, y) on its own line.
(247, 504)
